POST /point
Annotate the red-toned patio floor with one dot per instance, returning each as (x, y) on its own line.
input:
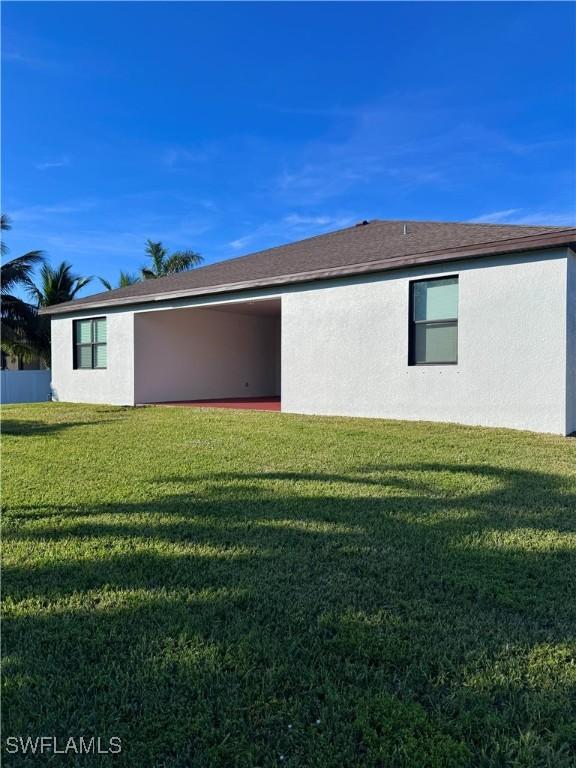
(247, 403)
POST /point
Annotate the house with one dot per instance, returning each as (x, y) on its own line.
(468, 323)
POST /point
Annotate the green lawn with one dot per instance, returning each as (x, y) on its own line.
(223, 588)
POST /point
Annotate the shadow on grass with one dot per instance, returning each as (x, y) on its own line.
(384, 628)
(29, 428)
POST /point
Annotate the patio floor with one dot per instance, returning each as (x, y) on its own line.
(245, 403)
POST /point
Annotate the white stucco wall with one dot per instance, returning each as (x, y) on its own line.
(115, 384)
(571, 345)
(345, 347)
(197, 354)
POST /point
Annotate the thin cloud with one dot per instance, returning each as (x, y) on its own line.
(375, 150)
(526, 217)
(297, 220)
(177, 157)
(59, 162)
(17, 57)
(495, 217)
(44, 213)
(546, 219)
(399, 149)
(291, 227)
(241, 242)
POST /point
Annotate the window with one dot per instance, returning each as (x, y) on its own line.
(90, 343)
(434, 321)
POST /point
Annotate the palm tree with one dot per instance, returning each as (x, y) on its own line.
(19, 319)
(168, 264)
(4, 225)
(57, 284)
(125, 279)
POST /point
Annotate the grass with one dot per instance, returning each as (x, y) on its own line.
(240, 589)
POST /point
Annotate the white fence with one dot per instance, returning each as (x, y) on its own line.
(25, 386)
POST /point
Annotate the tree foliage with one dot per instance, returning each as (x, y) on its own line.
(56, 285)
(162, 263)
(24, 332)
(21, 333)
(125, 279)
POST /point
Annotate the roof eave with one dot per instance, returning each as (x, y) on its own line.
(565, 238)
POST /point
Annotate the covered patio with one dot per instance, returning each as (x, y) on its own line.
(223, 355)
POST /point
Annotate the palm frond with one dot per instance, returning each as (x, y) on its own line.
(57, 284)
(4, 225)
(13, 343)
(164, 264)
(35, 293)
(79, 283)
(15, 309)
(22, 332)
(181, 261)
(157, 253)
(127, 278)
(18, 271)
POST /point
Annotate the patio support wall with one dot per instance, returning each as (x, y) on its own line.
(115, 383)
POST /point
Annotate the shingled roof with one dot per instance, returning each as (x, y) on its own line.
(374, 246)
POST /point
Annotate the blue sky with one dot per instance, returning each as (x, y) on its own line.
(228, 128)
